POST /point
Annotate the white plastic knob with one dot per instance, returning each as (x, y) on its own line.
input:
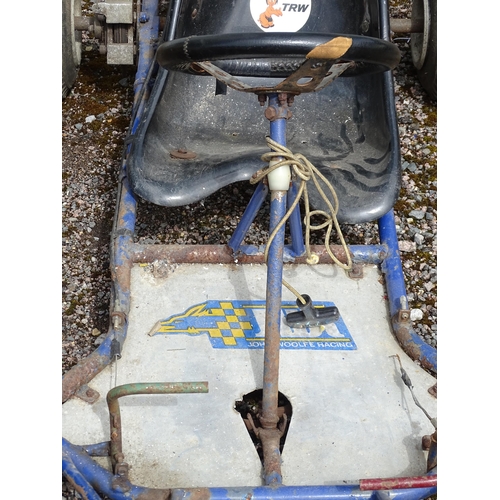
(279, 179)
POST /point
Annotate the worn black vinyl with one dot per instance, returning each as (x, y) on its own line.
(269, 50)
(348, 130)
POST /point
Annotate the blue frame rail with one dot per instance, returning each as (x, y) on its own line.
(93, 481)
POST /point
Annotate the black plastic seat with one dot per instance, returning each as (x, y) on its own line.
(348, 130)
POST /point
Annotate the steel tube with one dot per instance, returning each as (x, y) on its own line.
(142, 388)
(249, 254)
(148, 30)
(96, 482)
(397, 483)
(270, 435)
(407, 25)
(410, 341)
(273, 313)
(295, 222)
(120, 250)
(253, 207)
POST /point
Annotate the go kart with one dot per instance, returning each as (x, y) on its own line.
(284, 370)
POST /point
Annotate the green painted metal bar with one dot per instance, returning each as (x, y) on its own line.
(141, 388)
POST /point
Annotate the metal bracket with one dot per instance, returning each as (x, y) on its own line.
(311, 76)
(116, 11)
(356, 272)
(87, 394)
(118, 33)
(310, 316)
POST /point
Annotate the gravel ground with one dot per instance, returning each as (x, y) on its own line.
(95, 122)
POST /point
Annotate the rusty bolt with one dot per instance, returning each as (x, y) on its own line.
(121, 469)
(403, 315)
(356, 272)
(291, 99)
(262, 99)
(183, 154)
(426, 443)
(270, 113)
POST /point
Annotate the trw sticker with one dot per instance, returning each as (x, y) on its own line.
(277, 15)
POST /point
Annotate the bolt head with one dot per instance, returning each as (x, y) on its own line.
(270, 113)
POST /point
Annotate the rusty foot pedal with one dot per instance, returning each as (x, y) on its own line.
(310, 316)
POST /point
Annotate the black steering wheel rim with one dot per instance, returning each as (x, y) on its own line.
(276, 54)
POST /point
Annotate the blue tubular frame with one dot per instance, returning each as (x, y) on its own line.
(413, 345)
(258, 198)
(93, 480)
(123, 226)
(89, 477)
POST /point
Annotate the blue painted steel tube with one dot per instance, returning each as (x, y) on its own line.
(148, 30)
(124, 226)
(95, 481)
(270, 435)
(295, 224)
(258, 197)
(410, 341)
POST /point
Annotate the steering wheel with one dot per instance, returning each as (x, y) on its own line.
(277, 54)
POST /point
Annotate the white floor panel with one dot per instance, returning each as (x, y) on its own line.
(352, 416)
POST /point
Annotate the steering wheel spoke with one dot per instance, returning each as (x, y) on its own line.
(312, 75)
(317, 57)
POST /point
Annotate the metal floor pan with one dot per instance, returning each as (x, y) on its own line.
(353, 418)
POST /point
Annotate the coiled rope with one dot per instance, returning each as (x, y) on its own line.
(305, 171)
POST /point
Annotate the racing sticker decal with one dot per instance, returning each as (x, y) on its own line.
(278, 15)
(235, 325)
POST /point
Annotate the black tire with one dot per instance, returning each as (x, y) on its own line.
(71, 44)
(424, 45)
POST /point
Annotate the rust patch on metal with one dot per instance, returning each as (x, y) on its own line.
(199, 494)
(433, 391)
(356, 272)
(333, 49)
(403, 335)
(183, 154)
(87, 394)
(426, 442)
(82, 373)
(151, 494)
(219, 254)
(155, 495)
(77, 487)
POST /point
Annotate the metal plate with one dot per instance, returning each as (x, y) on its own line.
(352, 416)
